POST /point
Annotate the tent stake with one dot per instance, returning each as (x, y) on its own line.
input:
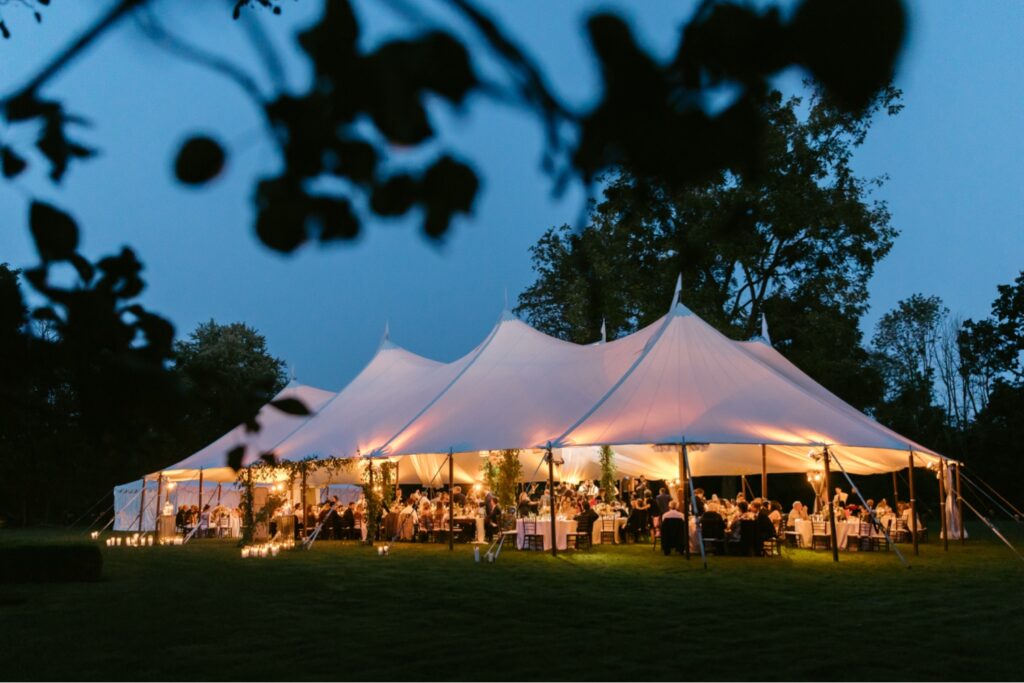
(831, 509)
(959, 503)
(142, 504)
(551, 504)
(764, 472)
(913, 503)
(451, 501)
(942, 507)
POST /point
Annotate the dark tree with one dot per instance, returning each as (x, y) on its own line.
(797, 242)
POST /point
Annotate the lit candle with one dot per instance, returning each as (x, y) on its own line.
(245, 552)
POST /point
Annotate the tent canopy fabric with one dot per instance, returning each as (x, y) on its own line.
(678, 380)
(274, 426)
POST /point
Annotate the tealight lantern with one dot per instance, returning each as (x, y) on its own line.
(380, 550)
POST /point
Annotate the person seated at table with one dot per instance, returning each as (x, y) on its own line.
(870, 502)
(492, 518)
(765, 527)
(742, 513)
(525, 506)
(586, 518)
(799, 511)
(698, 501)
(775, 512)
(883, 509)
(673, 535)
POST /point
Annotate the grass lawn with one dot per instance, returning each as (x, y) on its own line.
(341, 612)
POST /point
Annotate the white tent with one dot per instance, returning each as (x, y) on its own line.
(693, 385)
(274, 426)
(738, 406)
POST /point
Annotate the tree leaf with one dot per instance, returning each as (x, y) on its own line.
(292, 406)
(55, 232)
(11, 163)
(270, 457)
(200, 160)
(235, 456)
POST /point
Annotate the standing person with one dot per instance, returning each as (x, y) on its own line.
(663, 500)
(640, 486)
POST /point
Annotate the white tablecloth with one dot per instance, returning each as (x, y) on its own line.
(620, 522)
(563, 527)
(844, 530)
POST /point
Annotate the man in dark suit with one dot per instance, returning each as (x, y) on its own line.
(663, 499)
(585, 520)
(458, 496)
(492, 520)
(348, 522)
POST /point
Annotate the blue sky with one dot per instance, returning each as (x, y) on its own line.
(955, 157)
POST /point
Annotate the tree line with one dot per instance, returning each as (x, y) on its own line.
(72, 426)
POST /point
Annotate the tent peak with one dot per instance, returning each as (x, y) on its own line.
(507, 315)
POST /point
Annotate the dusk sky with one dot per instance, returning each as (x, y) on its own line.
(955, 157)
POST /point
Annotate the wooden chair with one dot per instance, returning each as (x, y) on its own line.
(820, 536)
(863, 540)
(608, 530)
(712, 528)
(880, 541)
(508, 533)
(655, 532)
(900, 531)
(531, 539)
(582, 538)
(772, 546)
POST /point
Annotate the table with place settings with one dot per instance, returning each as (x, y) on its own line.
(844, 529)
(563, 527)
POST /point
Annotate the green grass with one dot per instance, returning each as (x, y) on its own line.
(621, 613)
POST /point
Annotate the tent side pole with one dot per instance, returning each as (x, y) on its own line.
(764, 472)
(680, 499)
(959, 503)
(686, 508)
(831, 509)
(942, 507)
(913, 504)
(218, 494)
(551, 505)
(142, 504)
(156, 515)
(895, 491)
(200, 491)
(743, 485)
(451, 501)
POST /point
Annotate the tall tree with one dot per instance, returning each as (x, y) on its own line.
(797, 242)
(227, 374)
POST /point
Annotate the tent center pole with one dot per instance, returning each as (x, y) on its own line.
(683, 483)
(451, 501)
(895, 492)
(942, 507)
(142, 504)
(831, 508)
(551, 504)
(764, 472)
(913, 503)
(959, 503)
(156, 516)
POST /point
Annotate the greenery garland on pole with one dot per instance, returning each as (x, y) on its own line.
(607, 460)
(379, 492)
(269, 470)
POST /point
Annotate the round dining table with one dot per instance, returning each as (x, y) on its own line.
(563, 527)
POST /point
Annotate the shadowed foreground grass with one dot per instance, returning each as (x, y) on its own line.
(341, 612)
